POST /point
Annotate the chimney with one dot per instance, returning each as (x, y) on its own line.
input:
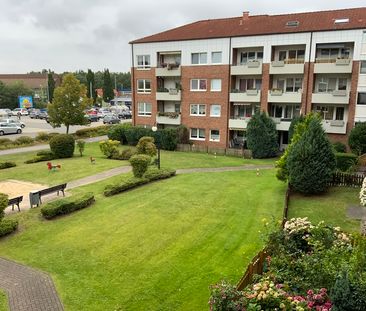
(246, 15)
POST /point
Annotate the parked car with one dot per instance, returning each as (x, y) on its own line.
(43, 114)
(102, 113)
(9, 128)
(92, 117)
(13, 121)
(5, 112)
(125, 114)
(111, 119)
(35, 113)
(23, 111)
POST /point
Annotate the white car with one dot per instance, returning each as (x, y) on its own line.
(5, 113)
(23, 111)
(8, 128)
(13, 121)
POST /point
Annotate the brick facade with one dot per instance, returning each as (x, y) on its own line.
(265, 87)
(353, 96)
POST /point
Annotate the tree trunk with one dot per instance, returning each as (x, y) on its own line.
(67, 128)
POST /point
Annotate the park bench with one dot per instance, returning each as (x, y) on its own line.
(52, 189)
(15, 201)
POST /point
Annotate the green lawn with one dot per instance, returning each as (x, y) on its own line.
(157, 247)
(3, 301)
(330, 207)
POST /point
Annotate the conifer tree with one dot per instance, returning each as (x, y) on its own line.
(108, 93)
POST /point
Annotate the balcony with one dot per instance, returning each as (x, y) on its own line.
(169, 118)
(251, 68)
(280, 67)
(171, 94)
(238, 123)
(339, 65)
(282, 124)
(168, 70)
(278, 96)
(340, 97)
(252, 96)
(335, 126)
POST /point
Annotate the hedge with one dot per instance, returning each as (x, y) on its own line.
(8, 226)
(118, 132)
(140, 163)
(93, 131)
(7, 164)
(63, 145)
(345, 161)
(43, 155)
(67, 205)
(151, 175)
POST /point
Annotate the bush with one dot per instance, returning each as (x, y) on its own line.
(345, 161)
(262, 136)
(146, 146)
(62, 145)
(155, 174)
(93, 131)
(118, 132)
(139, 163)
(6, 164)
(8, 226)
(81, 146)
(109, 147)
(130, 183)
(167, 139)
(67, 205)
(133, 134)
(182, 135)
(125, 154)
(24, 140)
(293, 125)
(357, 139)
(44, 155)
(3, 204)
(339, 147)
(5, 141)
(42, 136)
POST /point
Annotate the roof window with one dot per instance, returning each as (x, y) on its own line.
(292, 23)
(341, 21)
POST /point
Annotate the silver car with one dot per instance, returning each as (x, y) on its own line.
(13, 121)
(9, 128)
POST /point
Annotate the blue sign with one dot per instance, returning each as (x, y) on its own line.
(25, 102)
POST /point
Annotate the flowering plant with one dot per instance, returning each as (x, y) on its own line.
(363, 193)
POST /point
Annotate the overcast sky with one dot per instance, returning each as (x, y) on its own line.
(68, 35)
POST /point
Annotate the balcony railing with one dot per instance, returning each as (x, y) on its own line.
(279, 96)
(334, 97)
(170, 118)
(247, 96)
(333, 65)
(287, 66)
(335, 126)
(168, 94)
(237, 123)
(168, 70)
(253, 67)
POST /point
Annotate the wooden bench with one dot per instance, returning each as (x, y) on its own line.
(53, 189)
(15, 201)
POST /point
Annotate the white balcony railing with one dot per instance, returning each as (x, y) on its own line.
(278, 96)
(251, 68)
(253, 96)
(336, 97)
(168, 71)
(286, 67)
(172, 94)
(163, 119)
(238, 123)
(340, 65)
(335, 126)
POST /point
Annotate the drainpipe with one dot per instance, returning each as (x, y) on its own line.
(228, 110)
(133, 88)
(308, 77)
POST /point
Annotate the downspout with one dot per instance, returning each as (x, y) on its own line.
(308, 77)
(133, 87)
(228, 97)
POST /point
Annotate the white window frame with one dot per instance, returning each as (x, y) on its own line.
(200, 60)
(198, 131)
(144, 112)
(243, 60)
(144, 61)
(143, 90)
(363, 67)
(198, 106)
(211, 110)
(198, 84)
(211, 86)
(212, 139)
(212, 57)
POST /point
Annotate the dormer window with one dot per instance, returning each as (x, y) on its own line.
(292, 23)
(341, 21)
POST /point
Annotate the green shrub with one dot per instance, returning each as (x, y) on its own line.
(167, 139)
(81, 146)
(6, 164)
(43, 155)
(8, 226)
(357, 139)
(134, 133)
(118, 132)
(62, 145)
(154, 173)
(67, 205)
(3, 204)
(339, 147)
(42, 136)
(109, 148)
(24, 140)
(293, 125)
(146, 146)
(5, 141)
(182, 135)
(125, 154)
(130, 183)
(139, 163)
(34, 160)
(93, 131)
(345, 161)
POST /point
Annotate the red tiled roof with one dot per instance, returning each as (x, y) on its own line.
(262, 25)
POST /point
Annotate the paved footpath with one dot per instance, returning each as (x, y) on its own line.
(28, 289)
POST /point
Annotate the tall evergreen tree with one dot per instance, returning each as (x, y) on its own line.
(108, 93)
(91, 85)
(262, 136)
(311, 161)
(51, 86)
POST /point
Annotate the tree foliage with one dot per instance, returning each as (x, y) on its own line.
(357, 139)
(293, 124)
(108, 93)
(311, 160)
(69, 103)
(51, 86)
(262, 136)
(9, 94)
(90, 80)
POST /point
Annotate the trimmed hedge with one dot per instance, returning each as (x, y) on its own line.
(125, 154)
(66, 205)
(134, 133)
(133, 182)
(44, 155)
(7, 164)
(4, 200)
(24, 140)
(118, 132)
(345, 161)
(339, 147)
(8, 226)
(140, 163)
(62, 145)
(93, 131)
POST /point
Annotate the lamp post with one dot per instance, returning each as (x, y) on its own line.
(155, 130)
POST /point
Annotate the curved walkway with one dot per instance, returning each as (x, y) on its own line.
(28, 289)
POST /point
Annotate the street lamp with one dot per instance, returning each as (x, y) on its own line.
(155, 130)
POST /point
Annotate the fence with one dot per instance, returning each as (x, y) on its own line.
(256, 266)
(347, 180)
(242, 153)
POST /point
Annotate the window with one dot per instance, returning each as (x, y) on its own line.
(198, 110)
(214, 135)
(143, 61)
(291, 54)
(216, 85)
(328, 85)
(199, 58)
(216, 57)
(215, 110)
(245, 57)
(197, 134)
(276, 111)
(363, 67)
(249, 84)
(143, 86)
(291, 111)
(144, 109)
(242, 111)
(339, 113)
(293, 84)
(361, 99)
(326, 112)
(198, 85)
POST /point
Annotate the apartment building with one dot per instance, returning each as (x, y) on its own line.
(212, 75)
